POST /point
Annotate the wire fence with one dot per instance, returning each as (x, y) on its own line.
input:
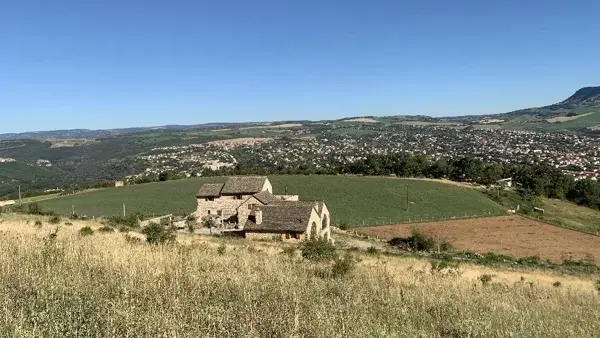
(418, 218)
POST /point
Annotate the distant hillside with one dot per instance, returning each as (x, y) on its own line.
(578, 103)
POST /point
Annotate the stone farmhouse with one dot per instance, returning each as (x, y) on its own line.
(249, 205)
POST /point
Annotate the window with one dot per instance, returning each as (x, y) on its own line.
(297, 236)
(251, 206)
(287, 236)
(238, 197)
(209, 199)
(220, 212)
(209, 212)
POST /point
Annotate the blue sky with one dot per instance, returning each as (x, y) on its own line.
(106, 64)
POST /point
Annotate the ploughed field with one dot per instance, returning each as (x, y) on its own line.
(510, 235)
(353, 201)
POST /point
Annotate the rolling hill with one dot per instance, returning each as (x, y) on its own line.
(352, 200)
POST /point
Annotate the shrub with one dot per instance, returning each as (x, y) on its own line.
(557, 284)
(132, 240)
(106, 229)
(34, 209)
(598, 286)
(318, 249)
(420, 241)
(38, 224)
(343, 266)
(441, 265)
(54, 220)
(86, 231)
(372, 251)
(221, 249)
(485, 279)
(68, 223)
(190, 222)
(158, 234)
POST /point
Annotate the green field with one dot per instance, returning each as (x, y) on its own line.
(351, 200)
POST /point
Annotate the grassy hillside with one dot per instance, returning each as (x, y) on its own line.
(561, 213)
(351, 200)
(214, 288)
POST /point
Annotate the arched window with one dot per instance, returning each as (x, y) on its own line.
(325, 222)
(313, 229)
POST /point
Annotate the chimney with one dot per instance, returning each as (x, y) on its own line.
(258, 216)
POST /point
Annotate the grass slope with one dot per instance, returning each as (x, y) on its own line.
(351, 200)
(104, 286)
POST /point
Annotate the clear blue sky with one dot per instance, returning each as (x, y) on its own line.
(104, 64)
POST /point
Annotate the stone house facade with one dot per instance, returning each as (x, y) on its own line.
(249, 203)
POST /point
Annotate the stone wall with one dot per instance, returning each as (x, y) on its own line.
(227, 204)
(244, 212)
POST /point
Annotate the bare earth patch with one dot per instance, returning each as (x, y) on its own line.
(363, 120)
(511, 235)
(246, 140)
(271, 126)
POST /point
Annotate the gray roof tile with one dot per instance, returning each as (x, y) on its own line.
(243, 185)
(210, 190)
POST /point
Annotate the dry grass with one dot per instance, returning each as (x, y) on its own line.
(561, 119)
(103, 286)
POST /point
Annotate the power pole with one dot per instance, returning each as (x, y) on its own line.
(20, 200)
(73, 209)
(407, 203)
(124, 210)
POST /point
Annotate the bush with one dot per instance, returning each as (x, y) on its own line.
(343, 266)
(221, 249)
(485, 279)
(598, 286)
(34, 209)
(158, 234)
(289, 251)
(38, 224)
(106, 229)
(54, 220)
(132, 240)
(372, 251)
(86, 231)
(441, 265)
(419, 241)
(557, 284)
(318, 249)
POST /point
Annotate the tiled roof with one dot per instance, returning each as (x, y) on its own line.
(243, 185)
(266, 198)
(210, 190)
(287, 216)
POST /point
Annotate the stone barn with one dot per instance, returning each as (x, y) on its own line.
(249, 205)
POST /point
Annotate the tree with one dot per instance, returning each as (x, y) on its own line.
(159, 234)
(209, 222)
(165, 176)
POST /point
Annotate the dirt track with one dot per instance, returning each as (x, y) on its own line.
(512, 235)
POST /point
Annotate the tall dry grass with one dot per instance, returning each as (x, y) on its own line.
(104, 286)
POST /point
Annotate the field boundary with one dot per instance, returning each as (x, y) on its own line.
(425, 218)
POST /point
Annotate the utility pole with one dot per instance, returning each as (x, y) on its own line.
(407, 203)
(20, 200)
(124, 210)
(73, 209)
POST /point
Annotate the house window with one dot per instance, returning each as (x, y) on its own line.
(220, 212)
(297, 236)
(251, 206)
(209, 212)
(287, 236)
(209, 199)
(238, 197)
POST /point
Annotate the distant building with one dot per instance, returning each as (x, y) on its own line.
(119, 184)
(505, 183)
